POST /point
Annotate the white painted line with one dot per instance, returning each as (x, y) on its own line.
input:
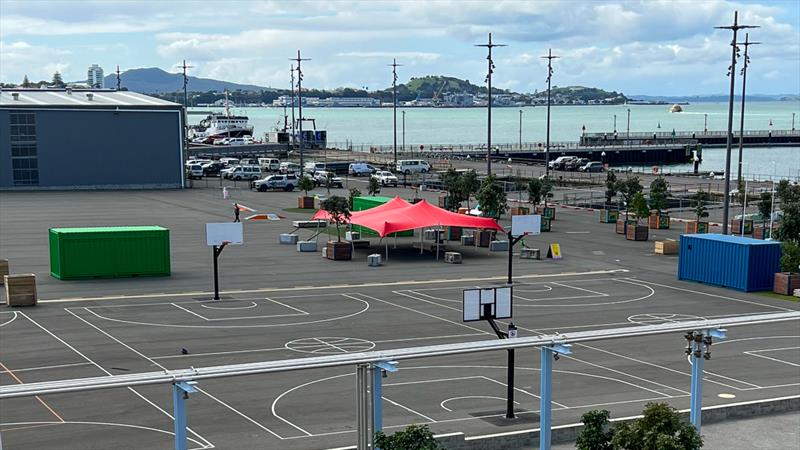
(408, 409)
(630, 280)
(13, 318)
(250, 306)
(273, 407)
(470, 397)
(753, 351)
(286, 306)
(772, 359)
(560, 405)
(437, 380)
(230, 352)
(187, 310)
(424, 313)
(58, 366)
(578, 232)
(239, 413)
(600, 294)
(73, 422)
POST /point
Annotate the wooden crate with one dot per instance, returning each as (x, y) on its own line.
(667, 247)
(4, 267)
(786, 283)
(20, 289)
(484, 237)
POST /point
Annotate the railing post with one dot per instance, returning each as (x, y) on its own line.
(379, 371)
(547, 354)
(699, 349)
(363, 410)
(180, 393)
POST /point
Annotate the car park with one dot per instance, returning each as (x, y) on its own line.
(286, 182)
(560, 162)
(385, 178)
(269, 164)
(289, 167)
(409, 166)
(593, 166)
(312, 167)
(321, 178)
(358, 169)
(194, 171)
(229, 161)
(244, 173)
(575, 164)
(212, 169)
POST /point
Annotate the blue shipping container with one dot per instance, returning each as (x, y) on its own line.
(730, 261)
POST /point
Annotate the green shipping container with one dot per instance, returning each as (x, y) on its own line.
(109, 252)
(364, 203)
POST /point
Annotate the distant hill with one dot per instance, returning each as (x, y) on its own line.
(715, 98)
(154, 80)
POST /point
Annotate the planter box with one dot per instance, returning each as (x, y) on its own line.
(530, 253)
(374, 260)
(636, 232)
(498, 246)
(545, 225)
(519, 211)
(20, 289)
(547, 212)
(304, 202)
(306, 246)
(484, 237)
(287, 239)
(4, 270)
(609, 215)
(454, 233)
(761, 233)
(622, 225)
(339, 251)
(666, 247)
(736, 226)
(786, 283)
(452, 257)
(658, 222)
(695, 227)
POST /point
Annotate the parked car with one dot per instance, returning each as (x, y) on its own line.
(312, 167)
(285, 182)
(593, 166)
(212, 169)
(244, 173)
(289, 167)
(359, 169)
(575, 164)
(385, 178)
(321, 178)
(194, 171)
(269, 164)
(239, 141)
(558, 163)
(229, 161)
(409, 166)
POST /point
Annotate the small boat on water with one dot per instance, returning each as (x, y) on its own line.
(675, 109)
(218, 126)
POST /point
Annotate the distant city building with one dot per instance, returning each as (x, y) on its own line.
(94, 77)
(461, 99)
(502, 99)
(349, 102)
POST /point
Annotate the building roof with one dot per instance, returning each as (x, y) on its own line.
(78, 98)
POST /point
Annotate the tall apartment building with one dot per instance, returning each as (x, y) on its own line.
(94, 77)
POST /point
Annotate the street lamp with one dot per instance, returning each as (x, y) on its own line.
(394, 66)
(550, 57)
(300, 102)
(603, 157)
(615, 124)
(520, 129)
(793, 121)
(489, 46)
(404, 131)
(705, 123)
(772, 205)
(746, 63)
(629, 123)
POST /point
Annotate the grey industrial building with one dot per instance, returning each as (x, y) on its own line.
(89, 139)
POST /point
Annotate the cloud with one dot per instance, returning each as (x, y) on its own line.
(38, 62)
(417, 56)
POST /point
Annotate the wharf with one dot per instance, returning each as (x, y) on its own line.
(272, 149)
(752, 138)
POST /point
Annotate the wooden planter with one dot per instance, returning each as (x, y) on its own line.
(545, 225)
(547, 212)
(442, 201)
(520, 211)
(339, 251)
(20, 289)
(658, 222)
(761, 233)
(695, 227)
(484, 237)
(305, 202)
(786, 283)
(622, 225)
(454, 233)
(636, 232)
(736, 226)
(609, 215)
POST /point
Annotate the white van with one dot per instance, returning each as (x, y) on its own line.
(244, 173)
(409, 166)
(269, 164)
(229, 161)
(312, 167)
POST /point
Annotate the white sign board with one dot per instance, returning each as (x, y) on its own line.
(526, 225)
(498, 299)
(502, 303)
(230, 232)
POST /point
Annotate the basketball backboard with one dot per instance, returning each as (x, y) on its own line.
(526, 225)
(487, 303)
(230, 232)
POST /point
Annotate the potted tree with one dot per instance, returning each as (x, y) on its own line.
(469, 185)
(354, 192)
(339, 211)
(547, 212)
(492, 198)
(305, 184)
(658, 201)
(607, 214)
(638, 230)
(451, 181)
(764, 210)
(788, 233)
(535, 191)
(699, 203)
(519, 186)
(627, 189)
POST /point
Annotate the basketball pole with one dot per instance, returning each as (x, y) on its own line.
(217, 249)
(487, 312)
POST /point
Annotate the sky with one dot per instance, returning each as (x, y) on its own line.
(651, 47)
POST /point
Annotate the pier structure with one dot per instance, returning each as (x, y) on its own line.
(752, 138)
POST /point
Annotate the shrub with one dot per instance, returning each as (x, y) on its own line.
(661, 428)
(596, 433)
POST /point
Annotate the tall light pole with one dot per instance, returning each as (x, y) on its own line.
(119, 83)
(293, 97)
(705, 123)
(404, 131)
(745, 64)
(520, 129)
(298, 60)
(488, 80)
(729, 141)
(772, 204)
(394, 67)
(615, 124)
(629, 124)
(793, 121)
(185, 107)
(550, 57)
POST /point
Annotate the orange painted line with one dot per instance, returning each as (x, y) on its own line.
(15, 377)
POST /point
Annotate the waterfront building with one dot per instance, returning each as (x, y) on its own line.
(349, 102)
(459, 99)
(94, 77)
(89, 139)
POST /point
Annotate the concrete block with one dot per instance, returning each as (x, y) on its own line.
(352, 235)
(498, 246)
(374, 260)
(306, 246)
(309, 223)
(452, 257)
(288, 238)
(530, 253)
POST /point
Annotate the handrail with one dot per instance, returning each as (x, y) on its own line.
(173, 376)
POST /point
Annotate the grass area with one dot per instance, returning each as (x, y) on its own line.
(770, 294)
(301, 210)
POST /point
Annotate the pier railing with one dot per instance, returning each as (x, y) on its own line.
(687, 134)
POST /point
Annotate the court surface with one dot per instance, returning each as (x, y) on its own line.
(316, 409)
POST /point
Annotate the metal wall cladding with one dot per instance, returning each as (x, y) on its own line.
(109, 252)
(730, 261)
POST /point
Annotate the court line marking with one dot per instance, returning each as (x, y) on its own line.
(532, 283)
(13, 318)
(250, 306)
(16, 378)
(74, 422)
(202, 302)
(408, 409)
(560, 405)
(132, 322)
(772, 359)
(580, 289)
(57, 366)
(65, 343)
(244, 416)
(188, 311)
(630, 279)
(471, 397)
(416, 292)
(343, 286)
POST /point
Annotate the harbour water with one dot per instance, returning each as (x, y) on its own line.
(442, 126)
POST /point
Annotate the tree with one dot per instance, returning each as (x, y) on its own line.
(658, 194)
(765, 206)
(25, 82)
(628, 189)
(328, 181)
(374, 186)
(547, 190)
(790, 257)
(492, 198)
(337, 207)
(699, 203)
(788, 192)
(452, 183)
(535, 191)
(305, 184)
(354, 192)
(639, 207)
(469, 184)
(58, 81)
(412, 438)
(596, 433)
(661, 428)
(789, 228)
(611, 187)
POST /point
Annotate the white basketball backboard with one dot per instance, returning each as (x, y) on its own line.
(230, 232)
(472, 305)
(527, 224)
(487, 303)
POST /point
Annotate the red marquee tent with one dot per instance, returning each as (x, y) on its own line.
(394, 203)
